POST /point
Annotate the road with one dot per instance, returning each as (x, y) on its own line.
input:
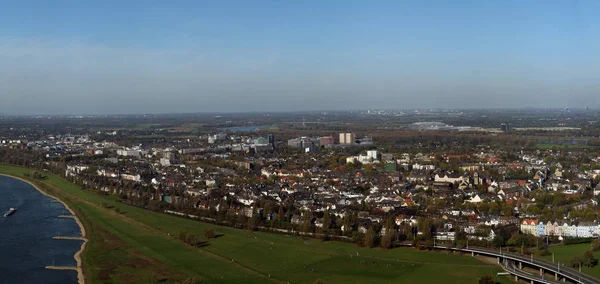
(560, 269)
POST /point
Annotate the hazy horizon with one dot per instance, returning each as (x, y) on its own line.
(143, 57)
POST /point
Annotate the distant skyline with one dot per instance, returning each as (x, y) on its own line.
(127, 57)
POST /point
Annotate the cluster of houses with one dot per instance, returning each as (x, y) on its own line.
(560, 229)
(400, 182)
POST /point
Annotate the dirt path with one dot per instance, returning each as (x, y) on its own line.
(77, 256)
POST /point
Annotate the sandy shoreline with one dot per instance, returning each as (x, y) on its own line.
(77, 256)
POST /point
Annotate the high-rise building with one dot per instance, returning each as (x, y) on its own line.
(350, 137)
(271, 139)
(347, 138)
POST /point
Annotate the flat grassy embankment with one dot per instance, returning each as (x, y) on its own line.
(565, 253)
(137, 245)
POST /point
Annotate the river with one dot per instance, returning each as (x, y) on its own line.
(26, 244)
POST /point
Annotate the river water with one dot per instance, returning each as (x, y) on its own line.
(26, 244)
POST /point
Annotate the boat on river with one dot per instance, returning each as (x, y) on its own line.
(10, 211)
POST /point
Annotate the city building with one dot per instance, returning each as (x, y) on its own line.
(431, 126)
(271, 139)
(129, 153)
(364, 141)
(261, 141)
(326, 141)
(347, 138)
(304, 143)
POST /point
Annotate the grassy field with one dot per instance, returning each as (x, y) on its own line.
(546, 146)
(137, 245)
(565, 253)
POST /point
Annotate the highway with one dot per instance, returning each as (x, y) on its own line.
(562, 271)
(512, 268)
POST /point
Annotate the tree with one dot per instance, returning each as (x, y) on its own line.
(486, 279)
(370, 238)
(251, 224)
(387, 240)
(307, 226)
(280, 214)
(507, 210)
(209, 233)
(588, 259)
(326, 221)
(498, 241)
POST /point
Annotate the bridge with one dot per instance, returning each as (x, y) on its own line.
(518, 273)
(513, 263)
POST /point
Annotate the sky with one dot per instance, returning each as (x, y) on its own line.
(129, 57)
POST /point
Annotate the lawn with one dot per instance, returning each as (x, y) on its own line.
(565, 253)
(137, 245)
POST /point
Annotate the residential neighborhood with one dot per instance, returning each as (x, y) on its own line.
(323, 185)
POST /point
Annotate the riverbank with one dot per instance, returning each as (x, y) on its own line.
(77, 256)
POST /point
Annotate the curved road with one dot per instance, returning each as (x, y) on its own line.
(563, 271)
(511, 267)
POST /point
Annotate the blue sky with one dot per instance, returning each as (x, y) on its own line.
(88, 57)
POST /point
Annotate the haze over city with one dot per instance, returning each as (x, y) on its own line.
(122, 57)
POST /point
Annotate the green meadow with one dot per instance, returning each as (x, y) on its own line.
(565, 253)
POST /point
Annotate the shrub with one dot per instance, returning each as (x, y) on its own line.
(192, 280)
(544, 252)
(596, 245)
(486, 279)
(209, 233)
(576, 261)
(574, 241)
